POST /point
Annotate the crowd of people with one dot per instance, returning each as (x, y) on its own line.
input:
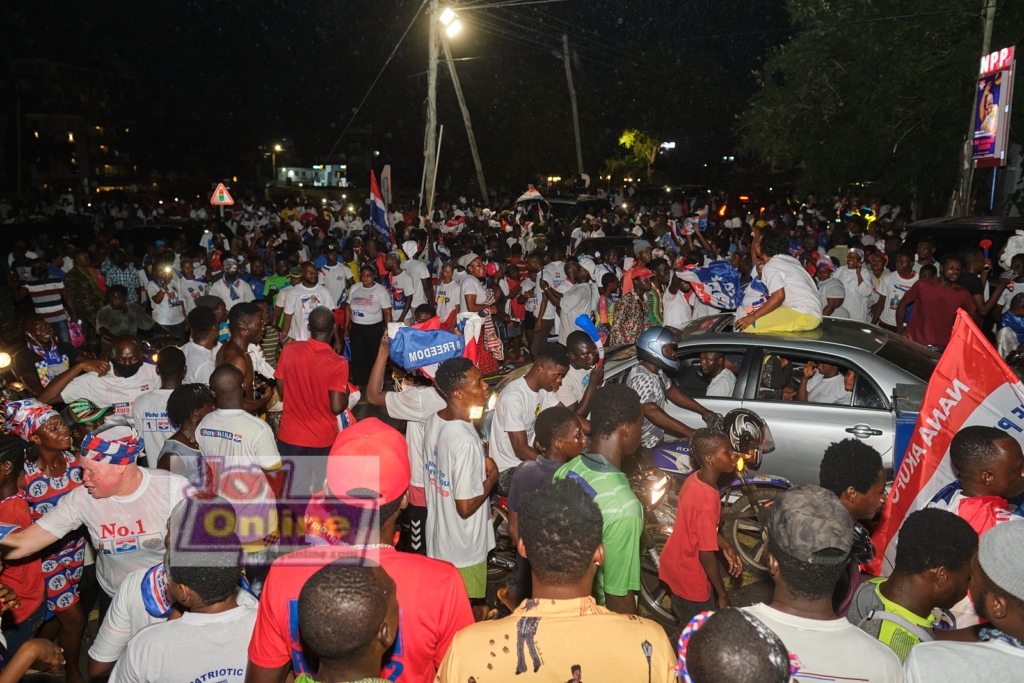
(185, 454)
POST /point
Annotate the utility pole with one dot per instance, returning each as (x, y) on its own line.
(430, 151)
(17, 116)
(469, 126)
(967, 169)
(572, 98)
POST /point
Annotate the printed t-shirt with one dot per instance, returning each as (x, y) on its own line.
(935, 309)
(554, 274)
(785, 272)
(169, 310)
(821, 389)
(577, 632)
(456, 471)
(24, 576)
(310, 369)
(300, 302)
(127, 616)
(335, 278)
(193, 647)
(432, 603)
(516, 411)
(446, 298)
(415, 405)
(695, 530)
(623, 519)
(119, 392)
(190, 291)
(27, 362)
(867, 598)
(235, 442)
(651, 388)
(149, 413)
(829, 650)
(574, 385)
(367, 304)
(893, 288)
(127, 532)
(953, 662)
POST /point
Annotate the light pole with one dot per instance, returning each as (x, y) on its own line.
(273, 162)
(430, 150)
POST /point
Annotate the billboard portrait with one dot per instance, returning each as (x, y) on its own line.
(986, 115)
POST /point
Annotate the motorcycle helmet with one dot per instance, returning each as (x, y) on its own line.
(863, 550)
(749, 435)
(649, 347)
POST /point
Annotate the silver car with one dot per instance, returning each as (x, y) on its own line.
(802, 431)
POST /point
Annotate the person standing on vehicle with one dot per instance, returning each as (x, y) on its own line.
(616, 427)
(656, 353)
(937, 301)
(689, 563)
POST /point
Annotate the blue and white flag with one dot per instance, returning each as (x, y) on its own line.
(717, 285)
(425, 344)
(378, 213)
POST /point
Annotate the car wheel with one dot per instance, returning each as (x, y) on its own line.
(745, 532)
(502, 558)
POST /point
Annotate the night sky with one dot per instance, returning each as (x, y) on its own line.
(218, 78)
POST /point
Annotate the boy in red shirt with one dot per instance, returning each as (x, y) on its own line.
(688, 562)
(25, 577)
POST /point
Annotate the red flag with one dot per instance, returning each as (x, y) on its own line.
(971, 385)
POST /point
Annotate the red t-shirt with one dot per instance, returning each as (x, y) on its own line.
(432, 600)
(25, 577)
(310, 369)
(696, 529)
(931, 322)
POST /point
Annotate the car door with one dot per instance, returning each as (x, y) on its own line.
(689, 378)
(802, 431)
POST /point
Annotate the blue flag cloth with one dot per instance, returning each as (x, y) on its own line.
(716, 285)
(413, 349)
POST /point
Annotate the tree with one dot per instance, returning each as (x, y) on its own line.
(644, 146)
(855, 99)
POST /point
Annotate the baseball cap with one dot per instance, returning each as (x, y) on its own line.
(368, 465)
(1000, 554)
(82, 410)
(809, 519)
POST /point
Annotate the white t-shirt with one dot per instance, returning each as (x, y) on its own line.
(127, 616)
(516, 411)
(410, 289)
(574, 384)
(300, 302)
(859, 296)
(832, 650)
(784, 271)
(418, 272)
(235, 441)
(471, 286)
(554, 274)
(832, 289)
(194, 647)
(954, 662)
(722, 384)
(127, 531)
(414, 405)
(335, 278)
(579, 300)
(1004, 299)
(190, 291)
(149, 413)
(678, 311)
(446, 298)
(367, 304)
(456, 471)
(894, 287)
(119, 392)
(241, 288)
(200, 362)
(830, 390)
(169, 310)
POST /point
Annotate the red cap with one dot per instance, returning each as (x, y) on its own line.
(368, 465)
(641, 272)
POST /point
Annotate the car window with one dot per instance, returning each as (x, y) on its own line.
(715, 383)
(829, 380)
(866, 394)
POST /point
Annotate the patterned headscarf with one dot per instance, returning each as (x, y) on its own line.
(117, 446)
(25, 417)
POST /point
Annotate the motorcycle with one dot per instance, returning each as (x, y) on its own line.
(657, 485)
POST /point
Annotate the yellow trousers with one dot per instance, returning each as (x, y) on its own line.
(783, 319)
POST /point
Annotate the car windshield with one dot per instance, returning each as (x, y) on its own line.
(915, 359)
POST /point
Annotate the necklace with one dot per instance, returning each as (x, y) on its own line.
(191, 440)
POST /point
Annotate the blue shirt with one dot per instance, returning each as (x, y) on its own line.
(256, 284)
(56, 271)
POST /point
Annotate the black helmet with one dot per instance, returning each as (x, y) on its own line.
(649, 347)
(749, 435)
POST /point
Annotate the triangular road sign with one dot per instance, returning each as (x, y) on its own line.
(221, 197)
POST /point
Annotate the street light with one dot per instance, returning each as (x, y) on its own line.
(448, 18)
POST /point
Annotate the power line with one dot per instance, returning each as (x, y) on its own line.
(381, 73)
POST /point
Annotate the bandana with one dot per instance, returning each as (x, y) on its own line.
(1015, 323)
(156, 597)
(27, 416)
(858, 252)
(120, 447)
(987, 634)
(55, 363)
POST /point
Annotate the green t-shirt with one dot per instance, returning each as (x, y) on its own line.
(275, 282)
(623, 522)
(868, 597)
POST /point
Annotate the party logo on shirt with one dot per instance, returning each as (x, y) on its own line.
(221, 434)
(126, 545)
